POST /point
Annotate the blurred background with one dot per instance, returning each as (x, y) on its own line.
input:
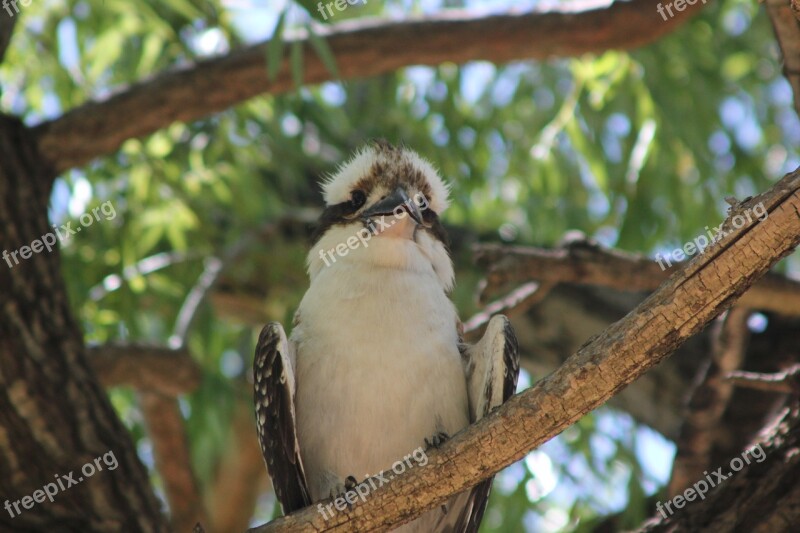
(637, 150)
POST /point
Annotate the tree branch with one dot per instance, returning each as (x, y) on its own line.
(590, 264)
(160, 374)
(164, 421)
(787, 381)
(362, 48)
(677, 310)
(240, 477)
(145, 368)
(517, 301)
(784, 18)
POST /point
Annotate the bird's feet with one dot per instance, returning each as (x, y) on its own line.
(340, 489)
(436, 440)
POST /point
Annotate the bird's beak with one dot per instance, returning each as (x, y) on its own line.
(389, 206)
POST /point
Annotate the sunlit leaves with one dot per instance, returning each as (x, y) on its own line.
(275, 47)
(296, 62)
(323, 50)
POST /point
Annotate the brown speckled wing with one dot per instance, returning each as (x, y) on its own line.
(471, 516)
(275, 418)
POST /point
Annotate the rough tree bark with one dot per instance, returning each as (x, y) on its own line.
(54, 415)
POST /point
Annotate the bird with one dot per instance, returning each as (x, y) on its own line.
(376, 366)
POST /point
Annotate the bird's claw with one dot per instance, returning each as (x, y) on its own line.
(341, 488)
(436, 440)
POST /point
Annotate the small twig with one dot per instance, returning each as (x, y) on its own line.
(214, 266)
(147, 265)
(787, 381)
(517, 301)
(188, 311)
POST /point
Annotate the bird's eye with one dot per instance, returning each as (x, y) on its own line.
(357, 199)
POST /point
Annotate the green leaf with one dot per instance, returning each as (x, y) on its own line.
(312, 7)
(106, 52)
(324, 52)
(297, 63)
(275, 48)
(185, 8)
(151, 52)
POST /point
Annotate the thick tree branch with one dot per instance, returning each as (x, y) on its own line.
(677, 310)
(783, 15)
(145, 368)
(589, 264)
(362, 48)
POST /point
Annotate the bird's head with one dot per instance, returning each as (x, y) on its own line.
(382, 209)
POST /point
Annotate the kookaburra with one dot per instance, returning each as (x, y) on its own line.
(376, 366)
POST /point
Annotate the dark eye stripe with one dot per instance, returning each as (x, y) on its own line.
(340, 214)
(334, 214)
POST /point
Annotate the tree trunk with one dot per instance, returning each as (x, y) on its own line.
(54, 416)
